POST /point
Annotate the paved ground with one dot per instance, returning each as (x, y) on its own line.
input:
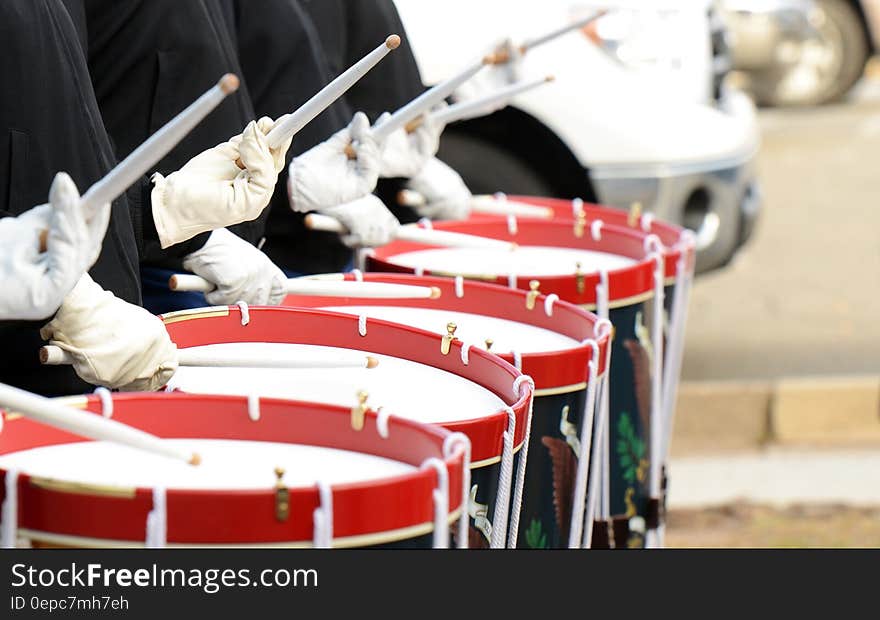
(804, 297)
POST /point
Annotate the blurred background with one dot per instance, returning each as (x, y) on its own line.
(756, 123)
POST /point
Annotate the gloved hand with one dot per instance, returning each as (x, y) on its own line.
(368, 221)
(240, 271)
(446, 195)
(324, 176)
(494, 77)
(404, 154)
(211, 191)
(113, 343)
(35, 283)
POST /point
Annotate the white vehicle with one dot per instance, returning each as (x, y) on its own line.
(641, 119)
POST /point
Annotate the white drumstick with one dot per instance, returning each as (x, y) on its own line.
(288, 125)
(141, 160)
(425, 102)
(56, 356)
(488, 205)
(322, 288)
(554, 34)
(481, 105)
(415, 234)
(84, 424)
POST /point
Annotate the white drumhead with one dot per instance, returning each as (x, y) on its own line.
(528, 260)
(408, 389)
(226, 464)
(472, 328)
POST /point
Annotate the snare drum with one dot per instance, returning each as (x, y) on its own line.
(420, 376)
(550, 340)
(618, 272)
(273, 473)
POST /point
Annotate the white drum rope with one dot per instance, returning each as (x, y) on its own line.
(577, 207)
(465, 351)
(505, 482)
(512, 227)
(441, 502)
(106, 401)
(245, 312)
(453, 442)
(362, 324)
(322, 517)
(596, 230)
(551, 299)
(647, 222)
(459, 286)
(419, 270)
(656, 431)
(518, 388)
(600, 424)
(511, 280)
(426, 223)
(383, 415)
(253, 407)
(604, 448)
(358, 275)
(9, 512)
(580, 481)
(157, 521)
(517, 360)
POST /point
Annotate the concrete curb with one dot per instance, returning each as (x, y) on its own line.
(733, 416)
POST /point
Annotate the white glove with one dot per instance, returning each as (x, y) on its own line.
(113, 343)
(240, 271)
(324, 176)
(34, 283)
(494, 77)
(211, 191)
(368, 221)
(446, 195)
(404, 154)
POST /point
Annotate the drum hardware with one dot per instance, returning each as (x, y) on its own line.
(489, 343)
(282, 496)
(357, 413)
(446, 343)
(635, 214)
(579, 279)
(580, 224)
(533, 293)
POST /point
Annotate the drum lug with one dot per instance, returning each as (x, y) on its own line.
(532, 295)
(635, 214)
(489, 343)
(446, 343)
(579, 279)
(358, 413)
(282, 496)
(580, 224)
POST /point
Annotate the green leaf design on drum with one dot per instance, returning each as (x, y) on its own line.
(630, 449)
(535, 536)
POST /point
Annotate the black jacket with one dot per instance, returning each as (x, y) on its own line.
(148, 60)
(49, 121)
(284, 65)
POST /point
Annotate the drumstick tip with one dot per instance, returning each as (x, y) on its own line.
(195, 460)
(44, 241)
(372, 362)
(172, 283)
(44, 355)
(550, 78)
(436, 292)
(229, 83)
(392, 42)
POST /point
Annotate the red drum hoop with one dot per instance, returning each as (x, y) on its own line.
(550, 370)
(223, 325)
(60, 511)
(626, 284)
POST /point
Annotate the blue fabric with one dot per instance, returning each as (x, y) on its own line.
(158, 299)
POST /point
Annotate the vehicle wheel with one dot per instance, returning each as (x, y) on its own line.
(820, 68)
(487, 168)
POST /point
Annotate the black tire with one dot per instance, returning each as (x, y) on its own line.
(487, 168)
(845, 32)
